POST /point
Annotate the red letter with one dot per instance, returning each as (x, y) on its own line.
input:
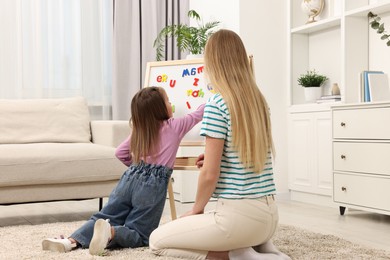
(195, 93)
(196, 80)
(172, 83)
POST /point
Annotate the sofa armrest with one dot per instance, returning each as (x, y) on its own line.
(109, 132)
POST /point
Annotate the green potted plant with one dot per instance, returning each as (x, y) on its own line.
(376, 24)
(312, 81)
(188, 38)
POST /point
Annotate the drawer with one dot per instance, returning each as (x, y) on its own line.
(362, 190)
(362, 157)
(189, 151)
(367, 123)
(185, 184)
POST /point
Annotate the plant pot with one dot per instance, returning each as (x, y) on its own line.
(194, 56)
(312, 94)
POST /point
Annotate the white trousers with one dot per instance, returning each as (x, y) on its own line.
(234, 224)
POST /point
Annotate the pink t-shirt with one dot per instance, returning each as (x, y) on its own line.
(171, 133)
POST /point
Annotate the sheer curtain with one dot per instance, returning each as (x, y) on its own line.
(57, 48)
(136, 25)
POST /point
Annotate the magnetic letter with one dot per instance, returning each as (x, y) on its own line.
(164, 78)
(193, 71)
(185, 73)
(172, 83)
(196, 80)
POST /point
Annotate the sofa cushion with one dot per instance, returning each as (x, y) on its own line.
(48, 163)
(44, 120)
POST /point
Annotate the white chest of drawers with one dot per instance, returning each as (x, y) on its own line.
(361, 157)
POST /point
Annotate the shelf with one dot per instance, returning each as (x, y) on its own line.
(340, 47)
(317, 26)
(363, 104)
(363, 11)
(311, 107)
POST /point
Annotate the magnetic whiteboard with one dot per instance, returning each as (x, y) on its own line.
(184, 82)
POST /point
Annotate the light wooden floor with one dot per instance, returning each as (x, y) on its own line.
(361, 227)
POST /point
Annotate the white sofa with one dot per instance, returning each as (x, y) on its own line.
(50, 151)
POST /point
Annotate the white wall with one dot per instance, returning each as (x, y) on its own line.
(262, 26)
(225, 11)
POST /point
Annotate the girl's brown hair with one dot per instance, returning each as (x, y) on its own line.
(148, 111)
(228, 69)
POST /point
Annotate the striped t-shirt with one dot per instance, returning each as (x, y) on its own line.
(235, 181)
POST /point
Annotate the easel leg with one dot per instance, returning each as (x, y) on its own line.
(171, 200)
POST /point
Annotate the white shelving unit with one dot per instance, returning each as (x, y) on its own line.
(340, 45)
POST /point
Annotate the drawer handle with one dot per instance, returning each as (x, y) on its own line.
(342, 124)
(343, 156)
(343, 188)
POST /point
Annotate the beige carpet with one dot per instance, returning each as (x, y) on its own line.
(24, 242)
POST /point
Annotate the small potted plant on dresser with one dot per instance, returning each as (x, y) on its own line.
(188, 38)
(312, 82)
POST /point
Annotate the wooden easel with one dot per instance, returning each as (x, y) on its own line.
(186, 163)
(172, 205)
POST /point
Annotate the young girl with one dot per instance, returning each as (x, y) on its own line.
(237, 168)
(136, 204)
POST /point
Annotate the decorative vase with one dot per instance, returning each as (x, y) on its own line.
(312, 94)
(312, 8)
(335, 89)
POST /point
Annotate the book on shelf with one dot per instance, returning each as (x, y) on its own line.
(320, 101)
(379, 88)
(365, 95)
(329, 99)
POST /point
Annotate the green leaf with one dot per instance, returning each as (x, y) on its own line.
(375, 25)
(385, 36)
(381, 28)
(193, 14)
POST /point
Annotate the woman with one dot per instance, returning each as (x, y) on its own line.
(237, 168)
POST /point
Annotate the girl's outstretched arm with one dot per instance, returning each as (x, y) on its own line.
(187, 122)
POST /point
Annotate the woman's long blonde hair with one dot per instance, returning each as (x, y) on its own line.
(228, 69)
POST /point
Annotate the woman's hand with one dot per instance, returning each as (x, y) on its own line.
(199, 161)
(190, 213)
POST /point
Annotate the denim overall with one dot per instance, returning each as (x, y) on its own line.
(134, 207)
